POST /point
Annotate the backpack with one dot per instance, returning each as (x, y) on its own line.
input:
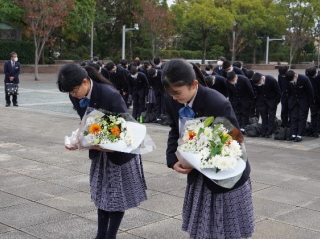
(253, 130)
(148, 117)
(164, 119)
(282, 133)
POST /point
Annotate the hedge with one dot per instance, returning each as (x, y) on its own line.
(25, 50)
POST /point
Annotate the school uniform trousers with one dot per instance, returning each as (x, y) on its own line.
(241, 97)
(11, 69)
(315, 105)
(268, 97)
(156, 84)
(138, 87)
(254, 112)
(300, 98)
(284, 84)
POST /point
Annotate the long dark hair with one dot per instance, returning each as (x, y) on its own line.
(178, 72)
(71, 76)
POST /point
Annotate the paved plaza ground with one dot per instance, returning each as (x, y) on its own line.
(44, 189)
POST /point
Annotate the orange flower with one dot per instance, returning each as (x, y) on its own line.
(191, 134)
(94, 129)
(115, 131)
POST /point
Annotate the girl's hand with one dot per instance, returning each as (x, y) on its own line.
(97, 147)
(182, 169)
(70, 148)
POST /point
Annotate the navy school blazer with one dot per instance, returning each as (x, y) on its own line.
(208, 102)
(106, 97)
(9, 72)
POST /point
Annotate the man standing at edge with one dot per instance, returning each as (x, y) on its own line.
(12, 71)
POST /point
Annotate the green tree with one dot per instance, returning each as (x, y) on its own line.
(10, 12)
(202, 18)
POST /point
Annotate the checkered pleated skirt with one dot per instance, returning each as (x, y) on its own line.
(117, 187)
(218, 216)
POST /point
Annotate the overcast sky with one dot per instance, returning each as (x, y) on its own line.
(170, 2)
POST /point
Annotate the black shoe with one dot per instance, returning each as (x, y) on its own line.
(7, 105)
(297, 139)
(268, 136)
(291, 138)
(15, 105)
(316, 135)
(262, 135)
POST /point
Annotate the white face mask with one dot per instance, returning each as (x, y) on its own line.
(15, 59)
(220, 63)
(134, 76)
(262, 82)
(208, 72)
(233, 83)
(231, 69)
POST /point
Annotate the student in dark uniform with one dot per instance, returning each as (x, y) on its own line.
(218, 69)
(239, 65)
(227, 67)
(209, 211)
(156, 85)
(254, 112)
(268, 97)
(217, 83)
(11, 75)
(300, 94)
(283, 84)
(118, 77)
(116, 179)
(315, 105)
(157, 63)
(241, 96)
(209, 70)
(138, 90)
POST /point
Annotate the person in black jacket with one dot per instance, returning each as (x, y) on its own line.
(205, 202)
(138, 90)
(156, 85)
(268, 97)
(11, 75)
(118, 77)
(227, 67)
(254, 112)
(239, 65)
(241, 96)
(218, 70)
(116, 179)
(301, 95)
(217, 83)
(315, 105)
(283, 84)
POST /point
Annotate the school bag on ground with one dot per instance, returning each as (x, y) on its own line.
(253, 130)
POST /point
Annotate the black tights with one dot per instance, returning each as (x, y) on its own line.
(108, 224)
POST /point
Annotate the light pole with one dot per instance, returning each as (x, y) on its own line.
(318, 30)
(91, 47)
(267, 50)
(124, 30)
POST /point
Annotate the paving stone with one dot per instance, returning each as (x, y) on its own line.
(39, 191)
(4, 228)
(79, 182)
(173, 205)
(286, 196)
(8, 200)
(311, 186)
(269, 209)
(137, 217)
(28, 214)
(163, 184)
(70, 227)
(168, 229)
(269, 229)
(301, 217)
(10, 179)
(16, 235)
(73, 203)
(155, 168)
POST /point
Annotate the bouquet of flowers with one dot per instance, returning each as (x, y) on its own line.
(213, 147)
(118, 132)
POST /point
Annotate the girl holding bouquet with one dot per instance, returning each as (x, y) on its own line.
(117, 180)
(209, 211)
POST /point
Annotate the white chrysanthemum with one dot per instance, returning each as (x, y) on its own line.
(205, 152)
(208, 132)
(185, 137)
(235, 149)
(90, 138)
(202, 142)
(203, 164)
(222, 162)
(90, 120)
